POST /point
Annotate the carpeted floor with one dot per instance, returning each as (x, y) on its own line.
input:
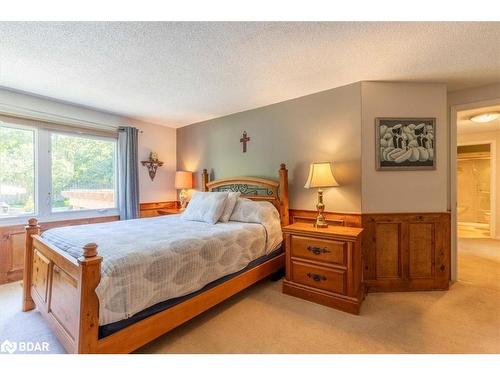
(465, 319)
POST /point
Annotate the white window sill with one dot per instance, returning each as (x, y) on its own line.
(59, 216)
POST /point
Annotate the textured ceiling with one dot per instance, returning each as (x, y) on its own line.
(175, 73)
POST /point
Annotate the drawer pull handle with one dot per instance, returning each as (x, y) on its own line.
(318, 250)
(316, 277)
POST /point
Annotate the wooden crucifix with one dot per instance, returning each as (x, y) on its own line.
(244, 139)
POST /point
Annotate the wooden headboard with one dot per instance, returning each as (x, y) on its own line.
(256, 188)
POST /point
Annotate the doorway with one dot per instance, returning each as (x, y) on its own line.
(475, 214)
(474, 189)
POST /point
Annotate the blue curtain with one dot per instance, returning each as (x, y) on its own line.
(128, 176)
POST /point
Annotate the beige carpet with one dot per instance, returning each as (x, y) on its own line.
(466, 319)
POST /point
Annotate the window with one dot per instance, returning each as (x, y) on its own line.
(52, 172)
(83, 173)
(17, 171)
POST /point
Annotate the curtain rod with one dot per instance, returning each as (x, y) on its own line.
(11, 110)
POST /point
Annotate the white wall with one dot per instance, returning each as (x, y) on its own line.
(473, 95)
(154, 137)
(160, 139)
(403, 191)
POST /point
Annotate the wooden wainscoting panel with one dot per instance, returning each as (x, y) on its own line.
(12, 239)
(333, 218)
(419, 241)
(151, 209)
(11, 253)
(17, 240)
(421, 249)
(388, 252)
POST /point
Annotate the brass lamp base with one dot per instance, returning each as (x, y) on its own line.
(320, 219)
(320, 222)
(183, 198)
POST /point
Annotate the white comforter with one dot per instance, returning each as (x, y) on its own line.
(147, 261)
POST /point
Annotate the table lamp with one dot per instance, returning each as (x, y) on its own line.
(320, 176)
(183, 181)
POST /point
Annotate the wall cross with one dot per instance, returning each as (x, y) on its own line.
(244, 139)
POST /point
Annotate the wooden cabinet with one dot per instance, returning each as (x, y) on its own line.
(323, 265)
(405, 252)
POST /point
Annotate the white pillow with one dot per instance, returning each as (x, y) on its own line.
(261, 212)
(205, 206)
(249, 211)
(229, 207)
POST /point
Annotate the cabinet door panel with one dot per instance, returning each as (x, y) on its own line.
(421, 250)
(388, 250)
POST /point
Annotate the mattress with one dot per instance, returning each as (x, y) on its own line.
(148, 261)
(111, 328)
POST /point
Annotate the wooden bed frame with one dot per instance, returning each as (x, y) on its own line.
(62, 288)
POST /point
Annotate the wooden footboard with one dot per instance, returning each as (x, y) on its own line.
(63, 290)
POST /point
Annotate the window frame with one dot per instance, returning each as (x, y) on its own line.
(115, 163)
(43, 174)
(35, 171)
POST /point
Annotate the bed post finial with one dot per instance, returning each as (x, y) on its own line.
(33, 222)
(204, 180)
(283, 195)
(31, 229)
(90, 250)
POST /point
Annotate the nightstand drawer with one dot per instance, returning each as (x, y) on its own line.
(319, 277)
(319, 250)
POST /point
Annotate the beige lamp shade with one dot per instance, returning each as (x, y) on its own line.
(183, 180)
(320, 175)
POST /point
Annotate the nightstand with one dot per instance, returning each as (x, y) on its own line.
(323, 265)
(170, 211)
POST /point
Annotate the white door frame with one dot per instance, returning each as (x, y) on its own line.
(453, 174)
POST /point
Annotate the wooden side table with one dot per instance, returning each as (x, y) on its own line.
(323, 265)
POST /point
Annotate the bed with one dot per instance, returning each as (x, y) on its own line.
(133, 284)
